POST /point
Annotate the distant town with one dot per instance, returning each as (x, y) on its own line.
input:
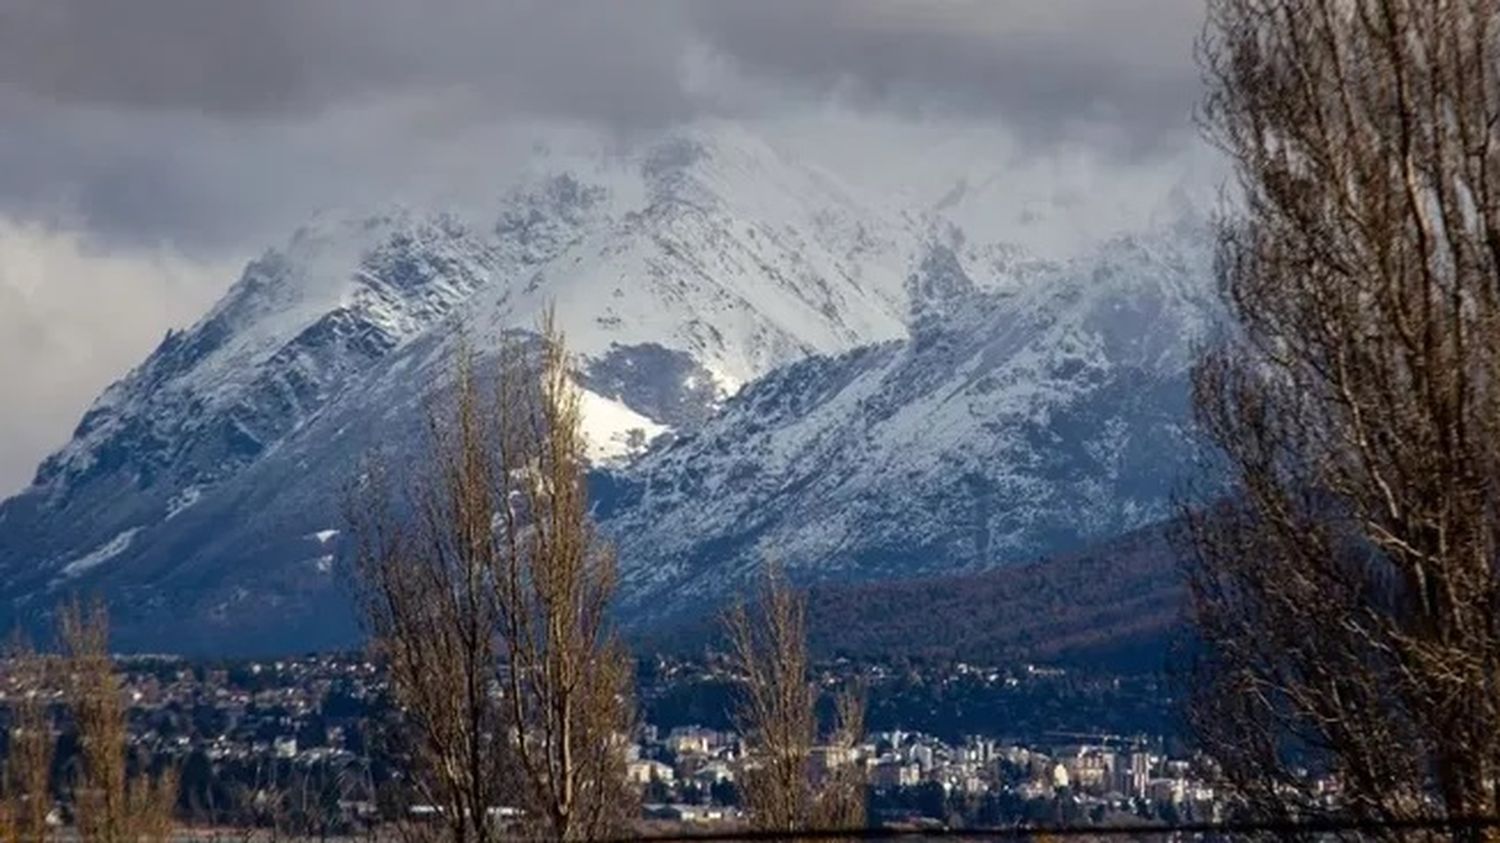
(301, 744)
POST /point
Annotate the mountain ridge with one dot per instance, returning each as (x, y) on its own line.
(716, 294)
(1023, 420)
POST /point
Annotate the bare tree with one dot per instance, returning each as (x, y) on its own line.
(423, 576)
(487, 593)
(567, 677)
(112, 806)
(777, 716)
(27, 774)
(840, 798)
(1346, 593)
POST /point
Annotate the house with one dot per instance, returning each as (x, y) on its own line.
(692, 740)
(826, 759)
(712, 773)
(895, 775)
(646, 771)
(689, 813)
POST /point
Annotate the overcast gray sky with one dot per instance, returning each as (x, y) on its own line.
(148, 147)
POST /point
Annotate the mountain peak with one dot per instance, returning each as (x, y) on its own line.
(769, 366)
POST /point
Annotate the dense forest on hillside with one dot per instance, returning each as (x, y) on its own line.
(1115, 606)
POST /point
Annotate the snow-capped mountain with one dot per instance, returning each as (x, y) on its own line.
(1018, 420)
(679, 273)
(856, 389)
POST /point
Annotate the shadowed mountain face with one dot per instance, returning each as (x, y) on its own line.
(771, 369)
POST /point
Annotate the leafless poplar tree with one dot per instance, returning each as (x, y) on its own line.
(423, 575)
(111, 805)
(777, 717)
(840, 799)
(488, 596)
(567, 677)
(27, 774)
(1346, 593)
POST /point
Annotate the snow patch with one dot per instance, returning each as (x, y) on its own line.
(614, 431)
(182, 500)
(98, 556)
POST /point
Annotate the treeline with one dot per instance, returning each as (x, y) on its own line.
(1115, 606)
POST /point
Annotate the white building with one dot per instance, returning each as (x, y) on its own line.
(644, 772)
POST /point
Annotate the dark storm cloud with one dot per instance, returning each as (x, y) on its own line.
(1041, 64)
(273, 58)
(216, 123)
(1049, 69)
(209, 184)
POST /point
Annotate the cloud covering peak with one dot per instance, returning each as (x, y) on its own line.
(150, 146)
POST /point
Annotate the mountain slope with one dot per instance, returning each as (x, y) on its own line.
(861, 392)
(201, 490)
(1017, 421)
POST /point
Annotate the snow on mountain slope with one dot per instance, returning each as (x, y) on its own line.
(616, 432)
(297, 323)
(679, 273)
(730, 254)
(773, 365)
(1017, 421)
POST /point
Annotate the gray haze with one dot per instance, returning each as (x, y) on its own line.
(147, 147)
